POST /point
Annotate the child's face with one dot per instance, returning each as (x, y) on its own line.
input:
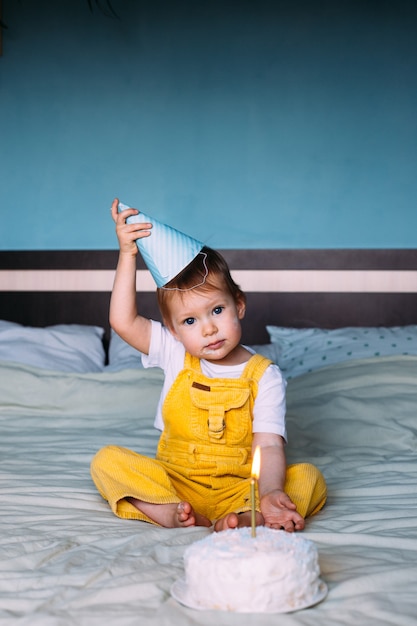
(207, 323)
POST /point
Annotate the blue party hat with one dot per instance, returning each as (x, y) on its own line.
(166, 251)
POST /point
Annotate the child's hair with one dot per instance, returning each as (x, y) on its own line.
(207, 271)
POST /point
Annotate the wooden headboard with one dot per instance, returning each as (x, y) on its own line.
(297, 288)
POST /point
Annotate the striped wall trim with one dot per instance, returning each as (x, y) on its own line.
(250, 259)
(261, 281)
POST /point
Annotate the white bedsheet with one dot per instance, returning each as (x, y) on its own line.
(65, 559)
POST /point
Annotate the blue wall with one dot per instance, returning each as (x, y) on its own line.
(251, 123)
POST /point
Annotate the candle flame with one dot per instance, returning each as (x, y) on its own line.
(256, 463)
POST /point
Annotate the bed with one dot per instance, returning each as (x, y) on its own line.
(343, 327)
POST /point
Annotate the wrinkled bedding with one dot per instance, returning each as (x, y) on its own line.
(66, 560)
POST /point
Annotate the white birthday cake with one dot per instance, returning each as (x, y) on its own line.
(274, 572)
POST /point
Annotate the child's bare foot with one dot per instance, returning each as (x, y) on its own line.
(172, 515)
(233, 520)
(188, 517)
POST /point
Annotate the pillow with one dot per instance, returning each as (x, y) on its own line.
(270, 350)
(301, 350)
(64, 347)
(122, 355)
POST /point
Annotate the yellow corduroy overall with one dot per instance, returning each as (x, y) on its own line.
(204, 453)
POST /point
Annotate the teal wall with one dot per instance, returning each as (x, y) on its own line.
(251, 123)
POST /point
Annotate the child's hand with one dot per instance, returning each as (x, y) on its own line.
(127, 234)
(279, 511)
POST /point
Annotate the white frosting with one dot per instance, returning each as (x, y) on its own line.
(275, 571)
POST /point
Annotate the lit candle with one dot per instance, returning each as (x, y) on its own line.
(256, 466)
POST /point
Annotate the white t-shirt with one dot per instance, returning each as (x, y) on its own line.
(269, 407)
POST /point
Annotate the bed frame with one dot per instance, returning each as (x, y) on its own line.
(297, 288)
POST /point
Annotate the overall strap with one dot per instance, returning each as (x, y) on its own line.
(256, 366)
(192, 362)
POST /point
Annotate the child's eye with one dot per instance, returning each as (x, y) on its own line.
(189, 321)
(218, 310)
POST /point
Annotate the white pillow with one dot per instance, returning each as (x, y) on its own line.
(64, 347)
(122, 355)
(270, 350)
(301, 350)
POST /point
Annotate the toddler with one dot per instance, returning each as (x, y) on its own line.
(219, 401)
